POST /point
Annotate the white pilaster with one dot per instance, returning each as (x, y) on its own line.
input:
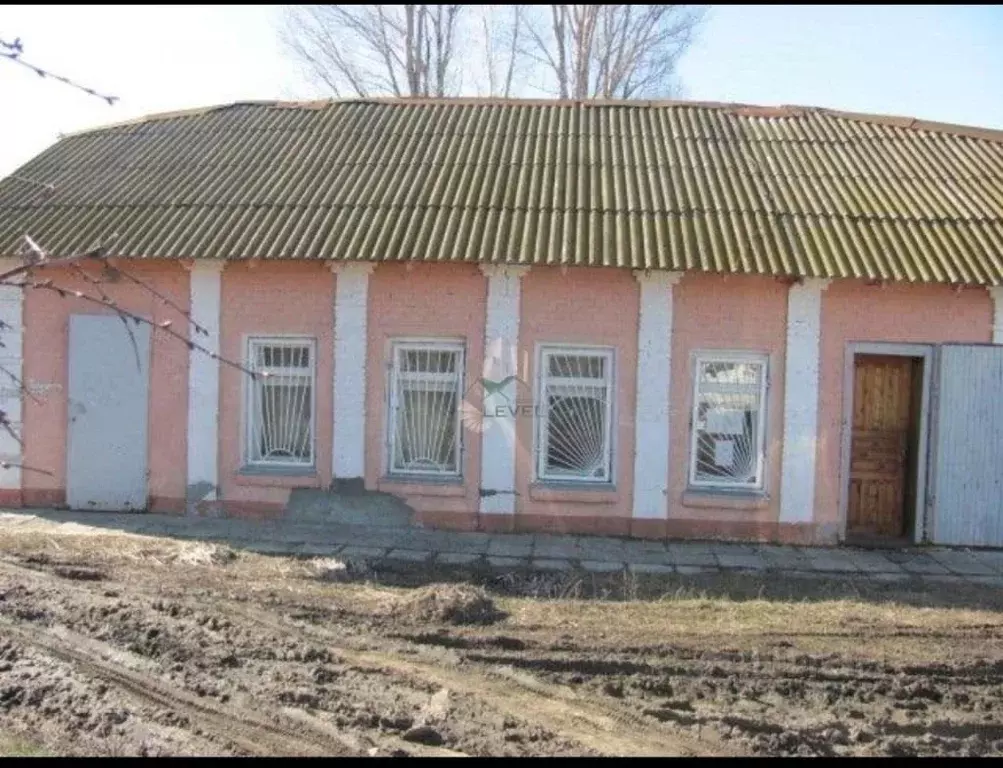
(203, 381)
(11, 315)
(654, 396)
(501, 343)
(801, 382)
(996, 292)
(351, 305)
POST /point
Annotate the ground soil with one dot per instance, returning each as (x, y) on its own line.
(127, 645)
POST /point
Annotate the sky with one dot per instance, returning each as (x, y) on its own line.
(934, 62)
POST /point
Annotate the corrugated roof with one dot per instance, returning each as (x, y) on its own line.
(795, 191)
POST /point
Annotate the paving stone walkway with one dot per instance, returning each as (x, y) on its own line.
(541, 552)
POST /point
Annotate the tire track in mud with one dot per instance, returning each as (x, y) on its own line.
(595, 725)
(227, 725)
(599, 726)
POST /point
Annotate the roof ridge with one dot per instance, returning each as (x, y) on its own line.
(739, 108)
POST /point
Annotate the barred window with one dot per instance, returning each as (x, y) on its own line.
(425, 394)
(728, 421)
(575, 413)
(280, 402)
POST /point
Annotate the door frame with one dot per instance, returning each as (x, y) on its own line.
(922, 351)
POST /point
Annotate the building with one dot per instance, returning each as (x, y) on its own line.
(631, 318)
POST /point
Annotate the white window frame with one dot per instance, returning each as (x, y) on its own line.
(544, 381)
(251, 343)
(699, 359)
(432, 345)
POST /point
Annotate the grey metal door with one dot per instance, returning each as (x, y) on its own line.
(967, 457)
(109, 384)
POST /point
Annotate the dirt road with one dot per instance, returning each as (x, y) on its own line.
(120, 645)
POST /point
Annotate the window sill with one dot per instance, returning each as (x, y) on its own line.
(278, 476)
(725, 499)
(413, 486)
(577, 493)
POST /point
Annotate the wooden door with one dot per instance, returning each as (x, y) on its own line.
(880, 446)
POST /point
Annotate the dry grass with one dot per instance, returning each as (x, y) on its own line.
(204, 554)
(446, 603)
(13, 745)
(746, 612)
(858, 628)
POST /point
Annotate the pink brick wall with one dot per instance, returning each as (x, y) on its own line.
(590, 307)
(46, 319)
(575, 306)
(900, 313)
(281, 299)
(424, 301)
(715, 314)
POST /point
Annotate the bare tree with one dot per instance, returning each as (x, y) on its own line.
(611, 51)
(569, 51)
(403, 50)
(500, 26)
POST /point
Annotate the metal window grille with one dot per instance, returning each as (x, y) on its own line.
(425, 395)
(575, 416)
(281, 402)
(728, 422)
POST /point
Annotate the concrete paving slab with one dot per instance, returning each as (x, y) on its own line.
(410, 555)
(732, 548)
(699, 548)
(595, 548)
(318, 550)
(966, 566)
(648, 545)
(698, 559)
(550, 564)
(457, 558)
(499, 561)
(473, 542)
(555, 546)
(992, 560)
(988, 581)
(601, 566)
(511, 545)
(652, 558)
(872, 562)
(924, 565)
(889, 577)
(942, 578)
(362, 552)
(694, 570)
(832, 565)
(738, 560)
(652, 568)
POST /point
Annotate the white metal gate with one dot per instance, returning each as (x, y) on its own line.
(967, 451)
(109, 383)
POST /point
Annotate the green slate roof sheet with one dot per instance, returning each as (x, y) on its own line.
(791, 191)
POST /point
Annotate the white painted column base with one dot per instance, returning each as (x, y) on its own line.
(351, 307)
(11, 396)
(205, 287)
(501, 343)
(801, 383)
(654, 394)
(996, 293)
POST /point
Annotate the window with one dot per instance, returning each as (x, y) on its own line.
(280, 403)
(575, 411)
(425, 394)
(728, 421)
